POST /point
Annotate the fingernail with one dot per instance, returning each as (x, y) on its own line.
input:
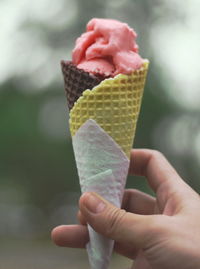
(93, 203)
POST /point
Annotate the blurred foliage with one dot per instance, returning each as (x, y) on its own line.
(41, 166)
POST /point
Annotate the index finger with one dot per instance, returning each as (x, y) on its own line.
(161, 176)
(153, 165)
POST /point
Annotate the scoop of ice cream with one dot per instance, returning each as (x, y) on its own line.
(108, 47)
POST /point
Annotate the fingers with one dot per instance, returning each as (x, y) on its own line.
(81, 218)
(115, 223)
(161, 176)
(134, 201)
(76, 236)
(73, 236)
(154, 166)
(138, 202)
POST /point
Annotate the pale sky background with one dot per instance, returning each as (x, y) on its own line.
(25, 53)
(176, 44)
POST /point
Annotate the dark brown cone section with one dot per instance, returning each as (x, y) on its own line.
(76, 81)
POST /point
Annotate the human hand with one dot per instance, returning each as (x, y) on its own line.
(161, 232)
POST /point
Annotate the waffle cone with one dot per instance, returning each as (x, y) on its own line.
(114, 104)
(76, 81)
(103, 120)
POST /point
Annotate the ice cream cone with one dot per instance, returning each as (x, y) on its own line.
(104, 85)
(114, 104)
(103, 121)
(76, 81)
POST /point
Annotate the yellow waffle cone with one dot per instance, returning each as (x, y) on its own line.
(114, 104)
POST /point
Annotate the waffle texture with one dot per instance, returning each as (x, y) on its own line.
(114, 104)
(76, 81)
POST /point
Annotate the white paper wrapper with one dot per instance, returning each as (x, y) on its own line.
(103, 168)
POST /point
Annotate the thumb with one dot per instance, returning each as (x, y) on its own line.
(114, 222)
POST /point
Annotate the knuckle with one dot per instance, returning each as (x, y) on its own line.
(114, 219)
(156, 154)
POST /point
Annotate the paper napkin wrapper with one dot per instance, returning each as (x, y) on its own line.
(102, 168)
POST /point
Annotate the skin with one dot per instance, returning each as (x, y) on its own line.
(156, 232)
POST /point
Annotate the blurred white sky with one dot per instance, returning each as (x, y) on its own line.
(24, 51)
(177, 44)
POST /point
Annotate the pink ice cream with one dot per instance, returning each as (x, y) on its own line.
(107, 48)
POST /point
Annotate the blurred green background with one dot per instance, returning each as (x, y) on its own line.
(39, 186)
